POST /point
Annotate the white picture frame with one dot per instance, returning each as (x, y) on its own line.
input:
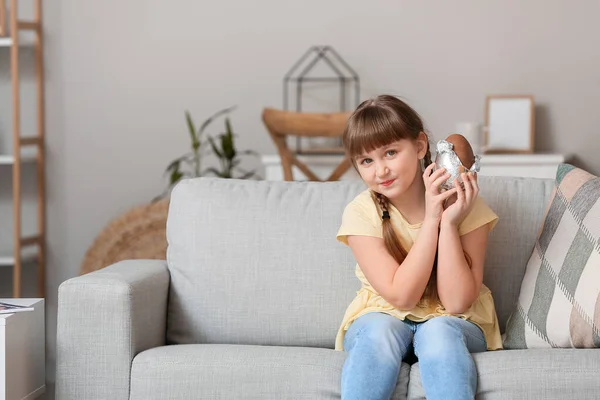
(509, 124)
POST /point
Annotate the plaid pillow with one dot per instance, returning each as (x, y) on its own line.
(559, 302)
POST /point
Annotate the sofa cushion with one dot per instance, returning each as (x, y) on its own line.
(529, 374)
(257, 262)
(559, 301)
(241, 372)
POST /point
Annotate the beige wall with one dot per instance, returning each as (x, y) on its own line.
(120, 74)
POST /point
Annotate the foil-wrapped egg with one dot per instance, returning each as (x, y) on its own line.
(455, 154)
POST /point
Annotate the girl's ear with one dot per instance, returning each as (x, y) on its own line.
(422, 144)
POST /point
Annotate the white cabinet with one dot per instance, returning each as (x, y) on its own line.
(22, 352)
(519, 165)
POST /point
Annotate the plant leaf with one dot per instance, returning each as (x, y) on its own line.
(228, 129)
(227, 146)
(189, 161)
(192, 130)
(230, 140)
(215, 115)
(248, 175)
(214, 147)
(173, 164)
(214, 171)
(176, 163)
(175, 176)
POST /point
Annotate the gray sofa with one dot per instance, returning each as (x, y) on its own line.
(249, 300)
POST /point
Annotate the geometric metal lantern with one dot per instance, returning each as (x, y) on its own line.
(296, 78)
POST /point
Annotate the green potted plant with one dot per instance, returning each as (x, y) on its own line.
(189, 165)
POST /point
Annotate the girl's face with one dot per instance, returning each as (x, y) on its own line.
(391, 170)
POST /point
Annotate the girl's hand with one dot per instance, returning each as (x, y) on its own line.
(434, 200)
(460, 206)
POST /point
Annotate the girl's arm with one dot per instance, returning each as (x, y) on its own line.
(460, 266)
(460, 259)
(403, 285)
(400, 285)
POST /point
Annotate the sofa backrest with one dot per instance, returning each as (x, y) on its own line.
(256, 262)
(520, 204)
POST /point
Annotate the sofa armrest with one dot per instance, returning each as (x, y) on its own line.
(105, 318)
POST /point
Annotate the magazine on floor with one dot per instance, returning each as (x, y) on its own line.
(7, 308)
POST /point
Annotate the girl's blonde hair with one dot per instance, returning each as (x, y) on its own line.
(375, 123)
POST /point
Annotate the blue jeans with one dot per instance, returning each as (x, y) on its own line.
(376, 344)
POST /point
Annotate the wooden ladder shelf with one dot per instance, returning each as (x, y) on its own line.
(35, 140)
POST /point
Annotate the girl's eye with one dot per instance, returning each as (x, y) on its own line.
(366, 161)
(390, 153)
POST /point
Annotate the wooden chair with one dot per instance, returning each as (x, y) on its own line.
(281, 124)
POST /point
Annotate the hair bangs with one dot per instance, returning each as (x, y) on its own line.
(373, 127)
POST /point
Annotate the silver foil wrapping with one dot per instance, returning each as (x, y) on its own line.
(447, 158)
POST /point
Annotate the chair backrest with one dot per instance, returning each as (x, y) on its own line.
(282, 124)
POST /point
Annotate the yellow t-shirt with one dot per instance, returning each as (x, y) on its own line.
(361, 217)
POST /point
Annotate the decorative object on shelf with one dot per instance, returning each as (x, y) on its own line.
(139, 233)
(509, 124)
(189, 165)
(344, 76)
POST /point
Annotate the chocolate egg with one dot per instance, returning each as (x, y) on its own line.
(455, 154)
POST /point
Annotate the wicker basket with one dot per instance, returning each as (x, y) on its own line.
(140, 233)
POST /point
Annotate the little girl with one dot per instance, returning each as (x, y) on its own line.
(420, 254)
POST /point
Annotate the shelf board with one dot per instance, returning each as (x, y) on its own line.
(7, 259)
(9, 159)
(8, 41)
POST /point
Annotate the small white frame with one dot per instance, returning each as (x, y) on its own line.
(509, 124)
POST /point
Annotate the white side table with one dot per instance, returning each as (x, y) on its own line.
(518, 165)
(22, 352)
